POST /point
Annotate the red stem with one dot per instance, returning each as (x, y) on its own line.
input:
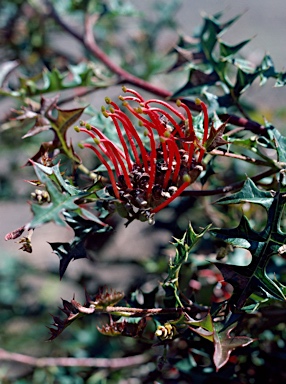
(107, 166)
(178, 159)
(152, 160)
(169, 117)
(105, 150)
(131, 131)
(190, 120)
(133, 92)
(170, 161)
(173, 197)
(123, 143)
(206, 121)
(116, 154)
(168, 106)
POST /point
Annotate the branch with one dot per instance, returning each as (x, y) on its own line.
(248, 159)
(229, 188)
(115, 363)
(90, 44)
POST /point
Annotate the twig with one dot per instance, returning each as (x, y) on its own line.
(229, 188)
(114, 363)
(248, 159)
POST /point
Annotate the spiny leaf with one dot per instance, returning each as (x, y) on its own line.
(82, 227)
(59, 202)
(279, 143)
(67, 252)
(42, 117)
(215, 138)
(63, 198)
(59, 325)
(66, 118)
(262, 245)
(74, 310)
(224, 344)
(250, 193)
(183, 247)
(227, 50)
(203, 327)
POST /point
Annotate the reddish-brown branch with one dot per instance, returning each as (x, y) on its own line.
(113, 363)
(90, 44)
(239, 157)
(228, 188)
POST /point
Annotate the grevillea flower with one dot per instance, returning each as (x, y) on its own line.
(147, 174)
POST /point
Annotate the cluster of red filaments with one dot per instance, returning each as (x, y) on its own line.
(147, 174)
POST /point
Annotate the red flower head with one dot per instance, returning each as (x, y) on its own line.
(146, 177)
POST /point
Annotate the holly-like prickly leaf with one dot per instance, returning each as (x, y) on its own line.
(183, 247)
(39, 114)
(67, 252)
(106, 298)
(47, 116)
(279, 143)
(262, 245)
(72, 312)
(215, 138)
(218, 333)
(227, 50)
(60, 201)
(66, 118)
(82, 227)
(249, 194)
(203, 327)
(224, 344)
(63, 198)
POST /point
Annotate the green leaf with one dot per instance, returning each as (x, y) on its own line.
(183, 247)
(66, 118)
(243, 80)
(253, 278)
(279, 143)
(63, 198)
(203, 327)
(227, 50)
(60, 201)
(267, 69)
(249, 194)
(67, 252)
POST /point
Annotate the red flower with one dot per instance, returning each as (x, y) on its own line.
(148, 177)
